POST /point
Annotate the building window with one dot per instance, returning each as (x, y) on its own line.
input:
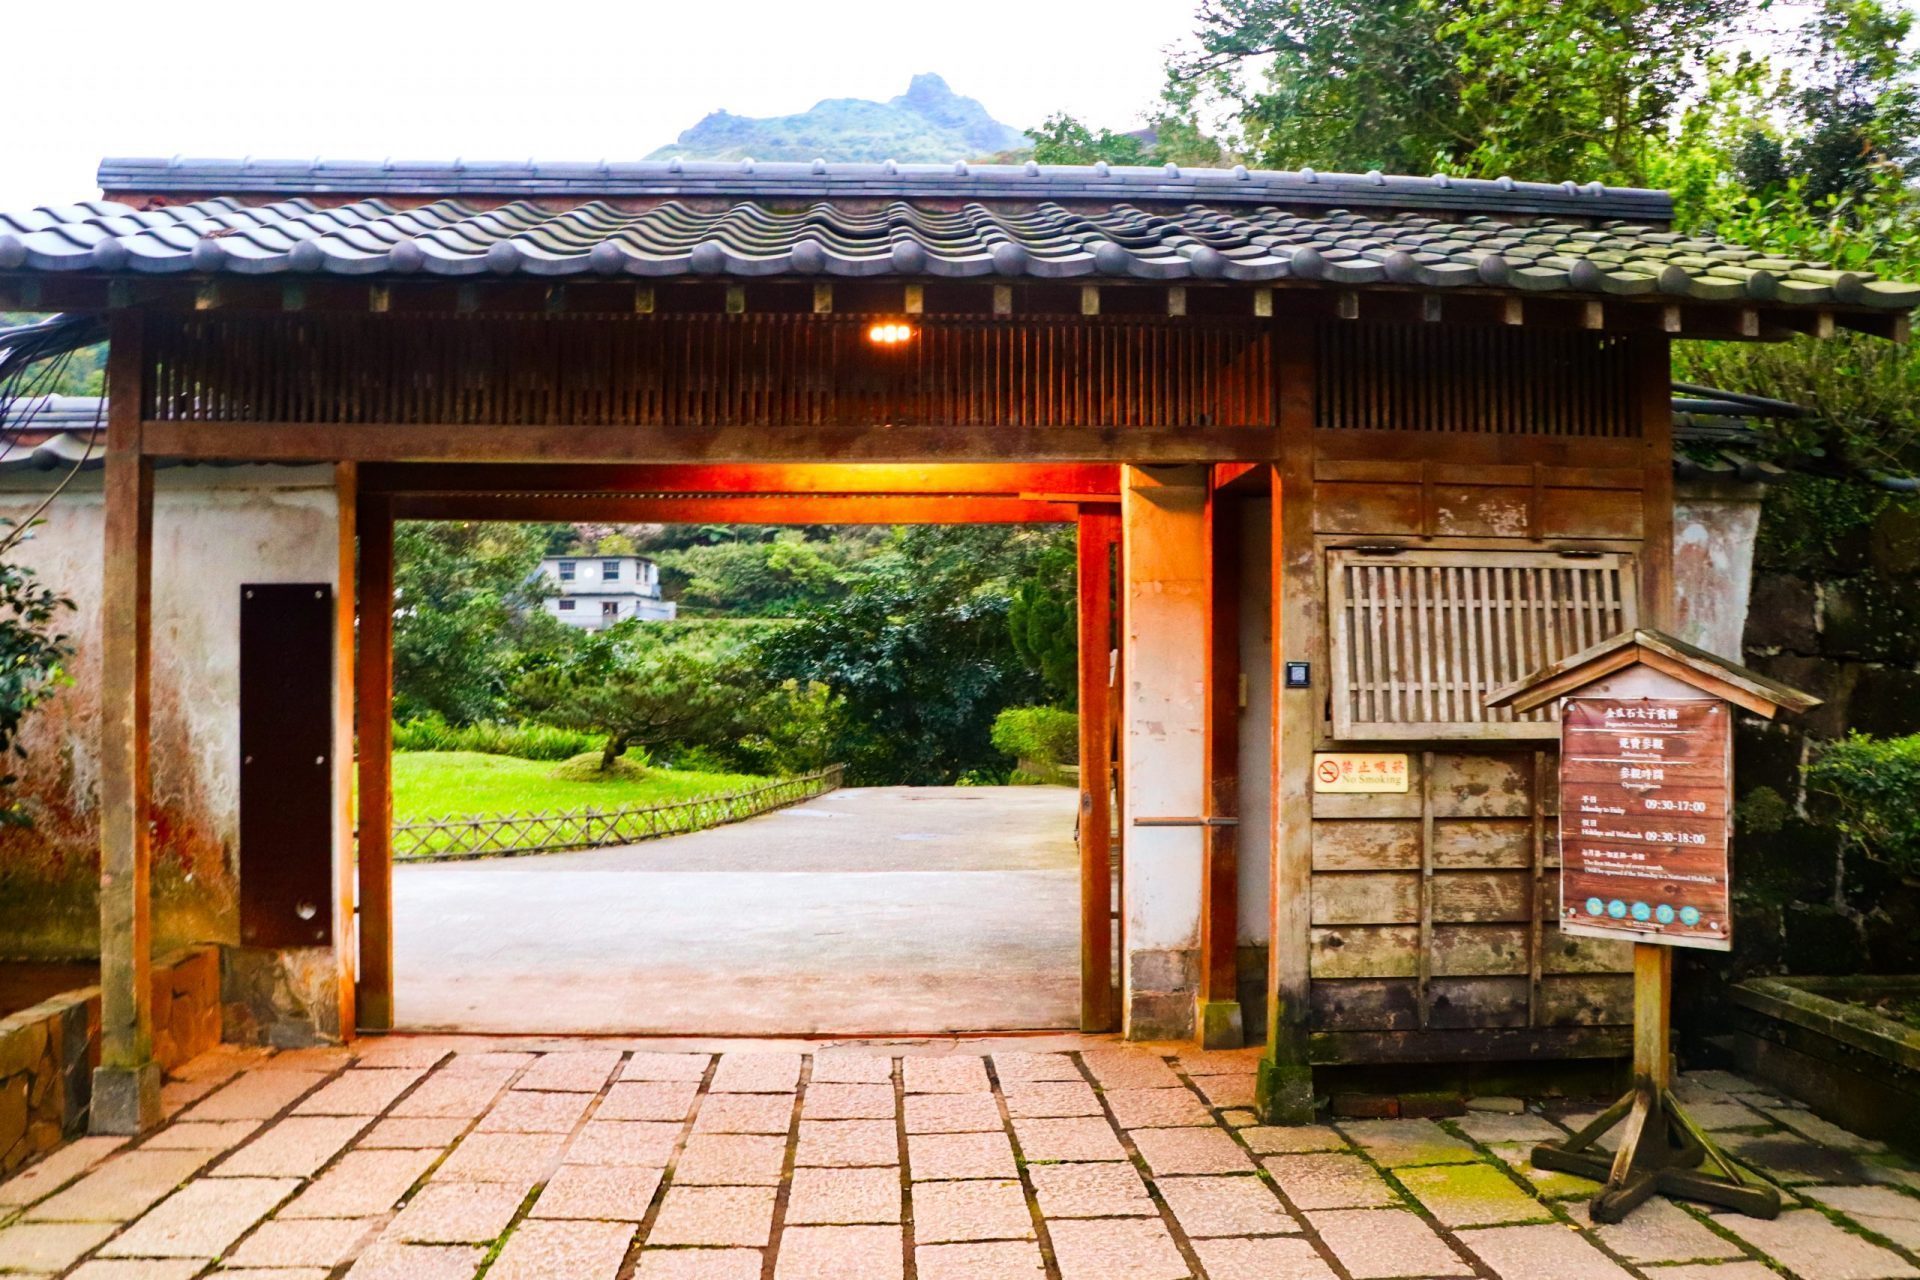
(566, 606)
(609, 608)
(610, 570)
(1418, 638)
(566, 571)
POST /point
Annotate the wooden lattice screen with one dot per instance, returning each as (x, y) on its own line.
(709, 370)
(1420, 637)
(1474, 379)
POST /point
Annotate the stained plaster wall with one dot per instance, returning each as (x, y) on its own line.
(214, 528)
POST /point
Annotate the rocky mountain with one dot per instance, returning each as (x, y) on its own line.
(927, 123)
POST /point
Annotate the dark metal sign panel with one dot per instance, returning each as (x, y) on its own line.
(286, 764)
(1645, 786)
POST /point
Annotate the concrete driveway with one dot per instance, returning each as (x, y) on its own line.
(866, 911)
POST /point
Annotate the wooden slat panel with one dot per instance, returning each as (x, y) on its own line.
(1366, 1005)
(1417, 638)
(1477, 1002)
(1485, 845)
(709, 371)
(1592, 513)
(1392, 951)
(1366, 951)
(1366, 897)
(1482, 785)
(1366, 846)
(1586, 1001)
(1475, 381)
(1564, 953)
(1471, 950)
(1481, 896)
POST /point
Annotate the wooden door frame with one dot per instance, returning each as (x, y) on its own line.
(1083, 496)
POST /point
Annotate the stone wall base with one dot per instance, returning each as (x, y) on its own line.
(48, 1052)
(1160, 994)
(289, 999)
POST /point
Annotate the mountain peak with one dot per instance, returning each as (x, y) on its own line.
(927, 123)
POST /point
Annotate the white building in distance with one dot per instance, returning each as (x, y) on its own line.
(592, 592)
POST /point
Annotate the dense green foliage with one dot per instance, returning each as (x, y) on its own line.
(32, 650)
(928, 123)
(528, 741)
(1869, 788)
(1047, 735)
(465, 617)
(1793, 127)
(888, 649)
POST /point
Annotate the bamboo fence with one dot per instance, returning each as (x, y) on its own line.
(548, 831)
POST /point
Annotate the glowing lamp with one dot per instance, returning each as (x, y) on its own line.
(889, 333)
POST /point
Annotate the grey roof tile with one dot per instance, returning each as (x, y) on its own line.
(722, 224)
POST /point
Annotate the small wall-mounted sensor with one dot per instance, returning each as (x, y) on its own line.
(1299, 675)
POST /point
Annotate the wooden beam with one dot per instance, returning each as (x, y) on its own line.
(1059, 481)
(1653, 393)
(394, 442)
(1286, 1075)
(346, 962)
(1218, 1018)
(1099, 534)
(744, 509)
(126, 1084)
(373, 716)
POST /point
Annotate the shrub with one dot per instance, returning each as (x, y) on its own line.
(1871, 787)
(591, 766)
(1046, 735)
(527, 741)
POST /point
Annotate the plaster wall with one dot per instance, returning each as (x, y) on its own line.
(1714, 528)
(1164, 578)
(214, 528)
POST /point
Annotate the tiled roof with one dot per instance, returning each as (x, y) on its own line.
(1047, 239)
(819, 180)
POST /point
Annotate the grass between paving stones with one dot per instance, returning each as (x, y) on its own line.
(441, 784)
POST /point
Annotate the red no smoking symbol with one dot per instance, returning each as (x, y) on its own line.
(1329, 771)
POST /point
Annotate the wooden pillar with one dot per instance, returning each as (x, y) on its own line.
(1099, 532)
(1164, 691)
(1286, 1074)
(373, 719)
(1217, 1013)
(126, 1084)
(346, 489)
(1653, 392)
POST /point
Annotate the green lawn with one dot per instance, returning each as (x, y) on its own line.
(439, 784)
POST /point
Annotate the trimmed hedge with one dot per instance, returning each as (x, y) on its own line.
(1046, 735)
(527, 741)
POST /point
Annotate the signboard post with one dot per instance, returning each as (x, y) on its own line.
(1646, 790)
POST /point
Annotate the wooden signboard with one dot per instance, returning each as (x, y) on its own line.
(1646, 785)
(1646, 789)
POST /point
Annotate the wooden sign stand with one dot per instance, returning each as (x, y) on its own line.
(1666, 704)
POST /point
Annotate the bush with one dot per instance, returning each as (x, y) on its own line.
(527, 741)
(1871, 787)
(591, 766)
(1045, 735)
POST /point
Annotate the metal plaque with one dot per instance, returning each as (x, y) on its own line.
(1645, 791)
(1359, 771)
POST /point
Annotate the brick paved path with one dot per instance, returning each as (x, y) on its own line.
(431, 1159)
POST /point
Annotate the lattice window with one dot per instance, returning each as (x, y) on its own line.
(1419, 637)
(1474, 380)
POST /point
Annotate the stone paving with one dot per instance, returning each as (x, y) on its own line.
(445, 1158)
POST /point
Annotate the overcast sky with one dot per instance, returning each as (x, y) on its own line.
(565, 80)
